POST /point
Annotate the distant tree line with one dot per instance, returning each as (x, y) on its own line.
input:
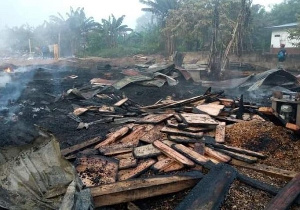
(166, 26)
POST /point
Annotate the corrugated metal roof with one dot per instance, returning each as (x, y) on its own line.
(284, 25)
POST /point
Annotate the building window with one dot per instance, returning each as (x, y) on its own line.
(277, 35)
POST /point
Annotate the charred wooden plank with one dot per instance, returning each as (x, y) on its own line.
(240, 150)
(196, 157)
(210, 109)
(210, 192)
(96, 170)
(131, 173)
(199, 148)
(168, 151)
(199, 119)
(127, 163)
(217, 155)
(258, 184)
(174, 131)
(130, 190)
(173, 124)
(146, 151)
(134, 136)
(121, 102)
(183, 139)
(153, 134)
(238, 156)
(220, 132)
(114, 137)
(80, 146)
(154, 118)
(228, 119)
(286, 196)
(167, 165)
(270, 170)
(115, 149)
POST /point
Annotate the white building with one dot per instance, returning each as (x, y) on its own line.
(280, 35)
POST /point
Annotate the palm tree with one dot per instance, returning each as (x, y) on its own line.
(112, 28)
(160, 8)
(76, 27)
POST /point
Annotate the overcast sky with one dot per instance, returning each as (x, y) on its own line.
(34, 12)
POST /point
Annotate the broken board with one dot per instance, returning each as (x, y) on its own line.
(174, 131)
(130, 190)
(211, 109)
(131, 173)
(217, 155)
(134, 136)
(114, 137)
(238, 156)
(80, 146)
(97, 170)
(183, 139)
(168, 151)
(154, 118)
(199, 119)
(153, 134)
(146, 151)
(220, 132)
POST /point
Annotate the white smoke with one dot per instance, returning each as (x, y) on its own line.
(4, 79)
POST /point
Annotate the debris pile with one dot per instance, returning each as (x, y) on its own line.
(185, 137)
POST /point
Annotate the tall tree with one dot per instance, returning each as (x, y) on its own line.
(113, 28)
(160, 8)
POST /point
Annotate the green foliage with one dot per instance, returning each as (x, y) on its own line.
(113, 29)
(285, 12)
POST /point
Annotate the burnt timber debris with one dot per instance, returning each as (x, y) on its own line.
(172, 145)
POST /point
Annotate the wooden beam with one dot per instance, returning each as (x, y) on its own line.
(270, 170)
(240, 150)
(168, 151)
(130, 190)
(196, 157)
(210, 192)
(217, 155)
(80, 146)
(238, 156)
(121, 102)
(284, 199)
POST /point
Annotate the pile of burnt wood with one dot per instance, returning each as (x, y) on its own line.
(186, 138)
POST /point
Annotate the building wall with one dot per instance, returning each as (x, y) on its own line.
(280, 36)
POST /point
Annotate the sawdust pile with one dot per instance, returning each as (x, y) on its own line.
(278, 143)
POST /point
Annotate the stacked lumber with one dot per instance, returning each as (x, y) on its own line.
(171, 136)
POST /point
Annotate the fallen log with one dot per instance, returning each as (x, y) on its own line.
(114, 137)
(238, 156)
(131, 173)
(168, 151)
(125, 191)
(210, 192)
(286, 196)
(80, 146)
(265, 169)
